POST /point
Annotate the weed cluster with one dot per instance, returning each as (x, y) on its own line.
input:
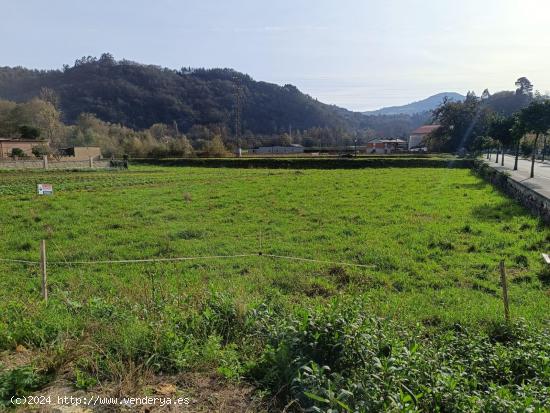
(339, 359)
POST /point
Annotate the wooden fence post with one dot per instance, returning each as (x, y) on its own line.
(504, 291)
(43, 270)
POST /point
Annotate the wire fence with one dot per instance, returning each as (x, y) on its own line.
(191, 258)
(43, 263)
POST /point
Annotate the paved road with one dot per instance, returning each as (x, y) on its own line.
(541, 181)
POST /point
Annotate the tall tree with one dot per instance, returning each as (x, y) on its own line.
(518, 132)
(216, 147)
(463, 125)
(500, 129)
(536, 118)
(524, 87)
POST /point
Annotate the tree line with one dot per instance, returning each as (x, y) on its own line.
(196, 102)
(517, 122)
(41, 119)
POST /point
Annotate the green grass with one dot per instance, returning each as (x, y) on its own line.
(435, 237)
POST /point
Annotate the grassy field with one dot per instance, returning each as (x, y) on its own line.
(433, 236)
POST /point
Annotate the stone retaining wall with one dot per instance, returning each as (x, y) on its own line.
(532, 200)
(39, 164)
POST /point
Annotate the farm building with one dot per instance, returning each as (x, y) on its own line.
(293, 148)
(8, 145)
(385, 145)
(80, 153)
(418, 135)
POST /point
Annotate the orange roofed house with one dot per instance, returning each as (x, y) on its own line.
(418, 136)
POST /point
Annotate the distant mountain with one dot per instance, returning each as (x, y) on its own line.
(417, 107)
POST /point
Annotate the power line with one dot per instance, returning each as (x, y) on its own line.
(238, 112)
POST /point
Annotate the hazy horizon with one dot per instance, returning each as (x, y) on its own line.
(361, 55)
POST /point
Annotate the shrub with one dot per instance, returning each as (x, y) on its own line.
(18, 152)
(83, 380)
(216, 148)
(40, 151)
(19, 382)
(339, 359)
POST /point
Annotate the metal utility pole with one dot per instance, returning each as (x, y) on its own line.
(238, 113)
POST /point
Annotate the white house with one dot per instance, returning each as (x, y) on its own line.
(418, 136)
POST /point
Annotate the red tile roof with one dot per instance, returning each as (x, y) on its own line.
(424, 130)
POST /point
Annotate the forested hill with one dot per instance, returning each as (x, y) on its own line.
(139, 96)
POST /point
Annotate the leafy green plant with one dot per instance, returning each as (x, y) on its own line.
(19, 382)
(337, 359)
(83, 380)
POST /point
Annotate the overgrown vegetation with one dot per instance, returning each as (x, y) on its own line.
(18, 382)
(40, 119)
(342, 359)
(421, 331)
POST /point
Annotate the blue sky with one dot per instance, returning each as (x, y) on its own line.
(359, 54)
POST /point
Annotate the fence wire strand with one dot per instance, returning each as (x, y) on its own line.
(288, 257)
(203, 257)
(19, 261)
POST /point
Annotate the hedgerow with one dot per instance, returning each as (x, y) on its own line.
(313, 163)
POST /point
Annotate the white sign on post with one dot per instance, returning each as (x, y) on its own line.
(45, 189)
